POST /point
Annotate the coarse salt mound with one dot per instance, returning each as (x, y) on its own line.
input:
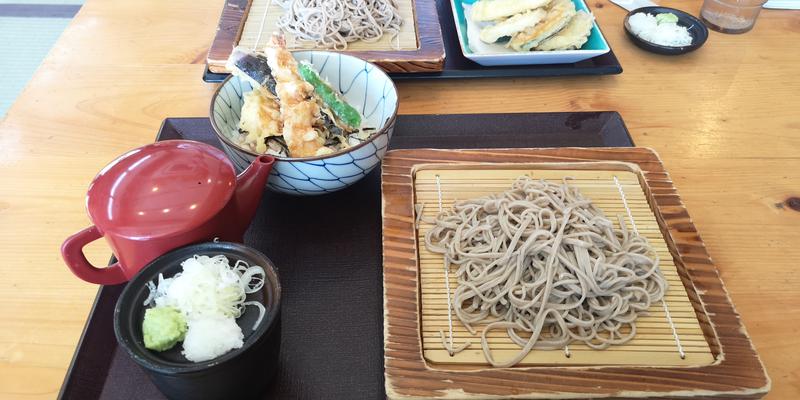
(647, 27)
(210, 337)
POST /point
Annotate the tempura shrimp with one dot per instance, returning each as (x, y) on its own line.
(298, 106)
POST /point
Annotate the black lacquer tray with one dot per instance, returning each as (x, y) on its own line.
(458, 66)
(328, 253)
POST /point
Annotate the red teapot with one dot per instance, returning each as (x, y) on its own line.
(162, 196)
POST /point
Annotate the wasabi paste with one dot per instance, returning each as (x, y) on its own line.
(163, 328)
(668, 18)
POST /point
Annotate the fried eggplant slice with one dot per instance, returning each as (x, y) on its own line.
(573, 36)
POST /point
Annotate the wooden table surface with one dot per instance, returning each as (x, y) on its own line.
(724, 119)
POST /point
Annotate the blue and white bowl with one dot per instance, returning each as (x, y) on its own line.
(362, 84)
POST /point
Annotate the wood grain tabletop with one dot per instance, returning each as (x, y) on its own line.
(724, 119)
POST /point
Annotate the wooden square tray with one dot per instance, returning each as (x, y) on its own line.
(418, 48)
(720, 360)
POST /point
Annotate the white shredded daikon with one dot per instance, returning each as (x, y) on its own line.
(209, 289)
(261, 311)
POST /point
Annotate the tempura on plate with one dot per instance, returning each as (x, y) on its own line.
(492, 10)
(512, 25)
(532, 25)
(573, 36)
(558, 15)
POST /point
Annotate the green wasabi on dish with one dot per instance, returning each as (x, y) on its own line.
(162, 328)
(668, 18)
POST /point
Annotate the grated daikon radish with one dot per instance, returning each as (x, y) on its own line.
(210, 337)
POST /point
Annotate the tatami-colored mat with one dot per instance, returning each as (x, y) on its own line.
(28, 30)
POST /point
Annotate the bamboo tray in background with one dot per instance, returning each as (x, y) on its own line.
(256, 23)
(418, 47)
(720, 363)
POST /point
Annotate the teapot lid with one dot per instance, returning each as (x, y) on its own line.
(159, 189)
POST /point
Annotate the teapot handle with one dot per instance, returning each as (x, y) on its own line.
(72, 251)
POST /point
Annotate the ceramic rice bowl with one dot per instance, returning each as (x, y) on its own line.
(362, 84)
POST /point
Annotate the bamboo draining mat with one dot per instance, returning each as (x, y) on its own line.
(421, 43)
(736, 372)
(405, 40)
(654, 343)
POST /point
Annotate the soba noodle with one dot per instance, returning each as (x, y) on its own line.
(543, 263)
(335, 23)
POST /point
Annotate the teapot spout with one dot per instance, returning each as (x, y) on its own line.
(250, 187)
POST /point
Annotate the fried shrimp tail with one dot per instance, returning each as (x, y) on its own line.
(298, 107)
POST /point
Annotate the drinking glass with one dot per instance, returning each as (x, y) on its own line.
(731, 16)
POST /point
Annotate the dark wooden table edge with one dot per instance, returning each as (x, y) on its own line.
(67, 384)
(211, 77)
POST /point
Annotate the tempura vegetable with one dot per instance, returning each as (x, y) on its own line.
(343, 111)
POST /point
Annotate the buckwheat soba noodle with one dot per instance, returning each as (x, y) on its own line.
(335, 23)
(544, 264)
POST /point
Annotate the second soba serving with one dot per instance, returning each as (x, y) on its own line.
(334, 24)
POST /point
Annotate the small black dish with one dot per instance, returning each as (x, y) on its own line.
(695, 27)
(239, 374)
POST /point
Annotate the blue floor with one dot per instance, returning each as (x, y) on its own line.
(28, 30)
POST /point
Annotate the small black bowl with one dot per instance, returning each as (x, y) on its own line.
(695, 27)
(238, 374)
